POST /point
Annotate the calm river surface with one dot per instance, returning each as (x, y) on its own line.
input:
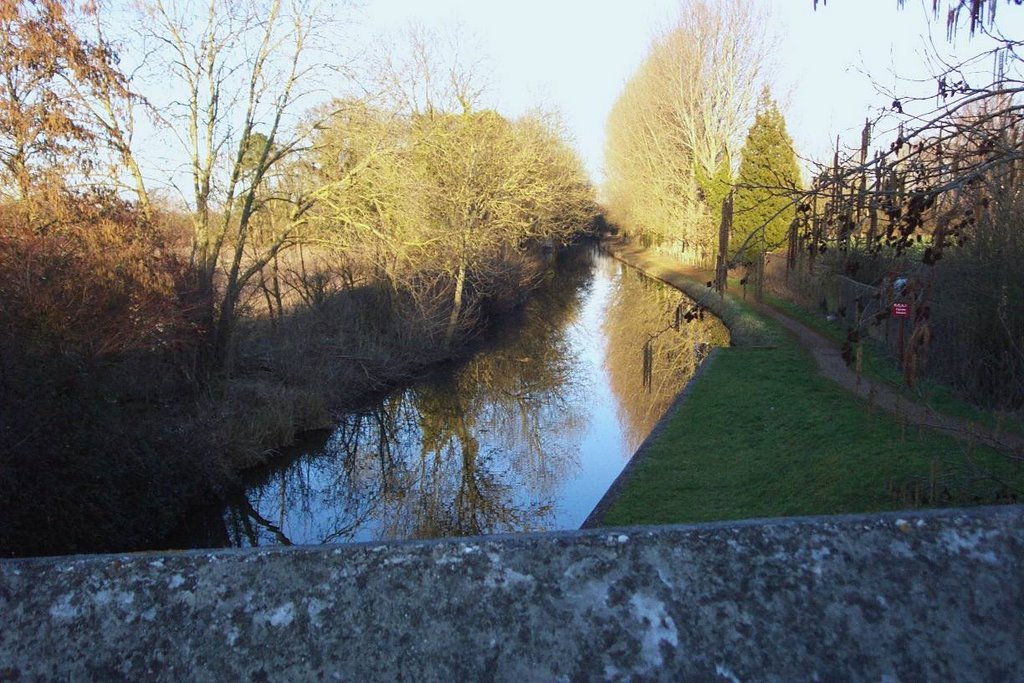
(525, 436)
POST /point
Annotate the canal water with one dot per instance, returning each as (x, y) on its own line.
(527, 435)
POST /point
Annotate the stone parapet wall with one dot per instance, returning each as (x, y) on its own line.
(891, 597)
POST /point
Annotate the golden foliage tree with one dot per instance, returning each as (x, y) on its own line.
(679, 123)
(442, 197)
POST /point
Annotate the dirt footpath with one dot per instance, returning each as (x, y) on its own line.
(831, 364)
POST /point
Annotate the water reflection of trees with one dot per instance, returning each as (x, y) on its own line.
(483, 450)
(642, 308)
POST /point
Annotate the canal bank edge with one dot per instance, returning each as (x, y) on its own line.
(596, 518)
(745, 328)
(917, 595)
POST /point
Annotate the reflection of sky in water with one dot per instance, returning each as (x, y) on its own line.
(603, 445)
(526, 436)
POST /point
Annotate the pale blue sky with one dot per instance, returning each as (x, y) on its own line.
(576, 54)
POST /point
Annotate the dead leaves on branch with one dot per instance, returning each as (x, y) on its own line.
(92, 279)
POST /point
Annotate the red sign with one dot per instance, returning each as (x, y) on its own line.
(900, 310)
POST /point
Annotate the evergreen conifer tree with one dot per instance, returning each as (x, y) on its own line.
(714, 189)
(768, 175)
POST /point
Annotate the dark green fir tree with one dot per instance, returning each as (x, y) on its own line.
(765, 185)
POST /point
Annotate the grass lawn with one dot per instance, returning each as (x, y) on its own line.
(762, 434)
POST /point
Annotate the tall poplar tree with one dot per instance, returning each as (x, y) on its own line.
(679, 120)
(767, 180)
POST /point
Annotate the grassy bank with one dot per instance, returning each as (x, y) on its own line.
(763, 434)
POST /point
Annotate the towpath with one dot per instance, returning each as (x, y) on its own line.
(830, 363)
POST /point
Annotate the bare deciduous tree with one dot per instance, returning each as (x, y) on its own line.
(929, 192)
(241, 72)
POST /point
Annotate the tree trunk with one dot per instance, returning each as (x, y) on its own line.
(276, 283)
(265, 288)
(453, 321)
(721, 263)
(225, 328)
(759, 264)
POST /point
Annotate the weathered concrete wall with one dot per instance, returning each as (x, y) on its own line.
(894, 597)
